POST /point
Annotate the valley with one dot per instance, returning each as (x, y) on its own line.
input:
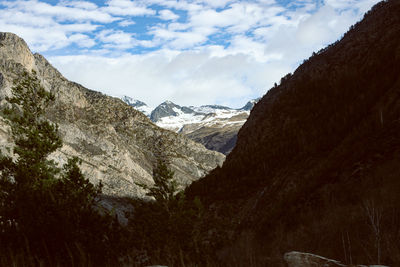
(305, 176)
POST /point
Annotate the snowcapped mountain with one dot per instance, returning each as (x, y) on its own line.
(138, 105)
(185, 120)
(168, 109)
(214, 126)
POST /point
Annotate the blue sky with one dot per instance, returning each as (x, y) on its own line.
(191, 52)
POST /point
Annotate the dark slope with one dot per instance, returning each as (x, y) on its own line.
(318, 154)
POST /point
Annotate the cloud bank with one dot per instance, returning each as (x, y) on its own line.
(191, 52)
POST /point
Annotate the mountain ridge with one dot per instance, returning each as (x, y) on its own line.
(317, 154)
(116, 143)
(214, 126)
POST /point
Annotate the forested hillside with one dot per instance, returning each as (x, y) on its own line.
(315, 167)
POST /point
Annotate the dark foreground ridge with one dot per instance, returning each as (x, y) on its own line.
(316, 166)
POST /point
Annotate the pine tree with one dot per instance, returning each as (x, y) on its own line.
(27, 170)
(167, 228)
(165, 186)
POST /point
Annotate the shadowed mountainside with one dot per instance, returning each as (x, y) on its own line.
(316, 165)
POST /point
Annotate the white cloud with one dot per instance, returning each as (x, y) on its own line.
(167, 14)
(82, 40)
(184, 39)
(238, 18)
(53, 36)
(126, 23)
(48, 27)
(361, 5)
(178, 5)
(116, 39)
(215, 3)
(59, 12)
(187, 77)
(120, 40)
(202, 51)
(242, 44)
(127, 8)
(79, 4)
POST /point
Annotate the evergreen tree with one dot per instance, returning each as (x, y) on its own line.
(165, 187)
(168, 229)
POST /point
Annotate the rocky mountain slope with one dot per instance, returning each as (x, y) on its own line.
(316, 165)
(213, 126)
(116, 143)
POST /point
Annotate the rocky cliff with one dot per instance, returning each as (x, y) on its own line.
(316, 165)
(116, 143)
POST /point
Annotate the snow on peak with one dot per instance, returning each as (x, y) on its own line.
(204, 116)
(173, 117)
(138, 105)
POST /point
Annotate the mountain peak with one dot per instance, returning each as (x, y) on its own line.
(168, 108)
(133, 102)
(138, 105)
(168, 103)
(14, 48)
(9, 37)
(249, 105)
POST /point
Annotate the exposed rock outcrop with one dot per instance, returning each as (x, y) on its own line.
(115, 142)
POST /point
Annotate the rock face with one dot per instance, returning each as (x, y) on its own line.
(13, 48)
(115, 142)
(317, 162)
(214, 126)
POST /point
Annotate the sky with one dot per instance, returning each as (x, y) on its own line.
(191, 52)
